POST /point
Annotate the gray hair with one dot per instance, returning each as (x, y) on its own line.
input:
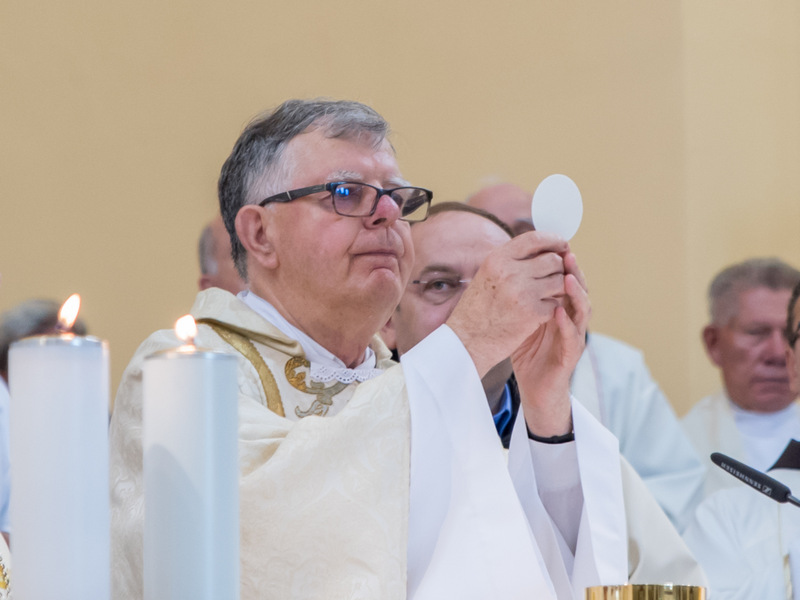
(206, 248)
(443, 207)
(725, 288)
(791, 335)
(33, 317)
(254, 169)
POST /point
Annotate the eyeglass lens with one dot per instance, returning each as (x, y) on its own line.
(358, 199)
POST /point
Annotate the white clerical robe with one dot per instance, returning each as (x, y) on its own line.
(5, 468)
(748, 544)
(711, 427)
(402, 493)
(612, 380)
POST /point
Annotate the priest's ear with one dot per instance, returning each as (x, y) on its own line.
(711, 342)
(253, 229)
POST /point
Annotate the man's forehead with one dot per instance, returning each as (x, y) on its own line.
(762, 305)
(454, 238)
(355, 155)
(443, 268)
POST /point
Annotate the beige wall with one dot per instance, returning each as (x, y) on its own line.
(678, 121)
(742, 144)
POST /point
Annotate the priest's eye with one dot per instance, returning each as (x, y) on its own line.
(349, 197)
(441, 285)
(760, 333)
(440, 289)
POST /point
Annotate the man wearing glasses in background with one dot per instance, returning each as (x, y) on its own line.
(613, 381)
(365, 479)
(449, 248)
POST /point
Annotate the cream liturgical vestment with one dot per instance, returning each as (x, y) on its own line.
(398, 487)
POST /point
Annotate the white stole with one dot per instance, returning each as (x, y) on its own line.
(477, 527)
(584, 384)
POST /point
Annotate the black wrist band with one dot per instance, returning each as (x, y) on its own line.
(556, 439)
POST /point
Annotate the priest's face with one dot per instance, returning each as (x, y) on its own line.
(751, 352)
(333, 268)
(449, 248)
(793, 352)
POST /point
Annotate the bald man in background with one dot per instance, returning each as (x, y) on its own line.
(614, 383)
(508, 202)
(216, 264)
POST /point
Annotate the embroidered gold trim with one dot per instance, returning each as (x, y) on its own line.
(246, 348)
(324, 395)
(5, 583)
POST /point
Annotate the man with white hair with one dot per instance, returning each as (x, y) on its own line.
(748, 544)
(364, 479)
(613, 381)
(757, 412)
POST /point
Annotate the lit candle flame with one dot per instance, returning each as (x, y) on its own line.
(186, 329)
(69, 313)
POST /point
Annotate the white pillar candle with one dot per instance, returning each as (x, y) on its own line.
(59, 468)
(191, 475)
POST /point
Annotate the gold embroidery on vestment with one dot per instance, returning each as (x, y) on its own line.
(5, 583)
(324, 395)
(246, 348)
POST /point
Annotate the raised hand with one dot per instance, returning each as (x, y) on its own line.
(544, 362)
(517, 289)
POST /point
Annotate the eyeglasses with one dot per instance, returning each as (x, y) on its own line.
(361, 199)
(441, 288)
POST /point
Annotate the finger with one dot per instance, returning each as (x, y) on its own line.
(539, 266)
(533, 243)
(579, 305)
(571, 266)
(566, 327)
(545, 265)
(572, 337)
(549, 290)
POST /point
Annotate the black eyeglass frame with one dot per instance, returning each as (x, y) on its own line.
(331, 186)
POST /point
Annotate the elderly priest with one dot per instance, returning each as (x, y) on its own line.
(360, 478)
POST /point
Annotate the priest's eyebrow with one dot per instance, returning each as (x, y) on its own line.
(354, 176)
(440, 269)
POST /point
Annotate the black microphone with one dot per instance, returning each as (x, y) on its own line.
(755, 479)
